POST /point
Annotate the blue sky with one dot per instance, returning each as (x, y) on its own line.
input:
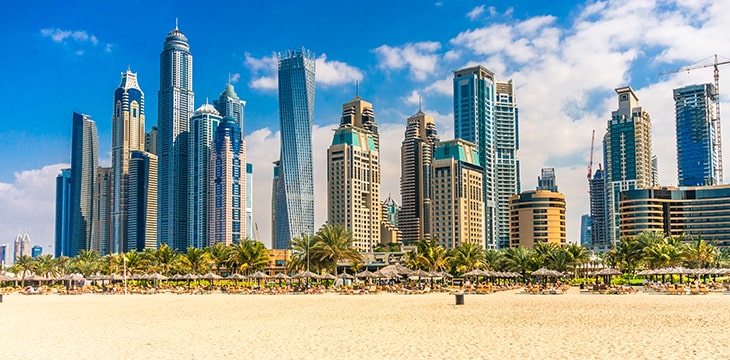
(565, 58)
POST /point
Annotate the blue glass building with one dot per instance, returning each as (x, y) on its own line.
(697, 152)
(84, 162)
(228, 104)
(175, 108)
(228, 184)
(63, 213)
(294, 187)
(202, 137)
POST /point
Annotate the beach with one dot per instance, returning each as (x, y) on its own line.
(502, 325)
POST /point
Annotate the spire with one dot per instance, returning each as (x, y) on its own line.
(229, 78)
(176, 23)
(420, 102)
(357, 90)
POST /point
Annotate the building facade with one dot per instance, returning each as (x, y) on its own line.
(414, 217)
(175, 108)
(249, 201)
(36, 251)
(547, 180)
(627, 155)
(128, 134)
(142, 231)
(228, 185)
(203, 126)
(102, 238)
(507, 144)
(22, 246)
(691, 211)
(457, 210)
(537, 216)
(63, 214)
(585, 231)
(4, 251)
(150, 141)
(695, 112)
(597, 191)
(84, 162)
(228, 104)
(295, 186)
(353, 175)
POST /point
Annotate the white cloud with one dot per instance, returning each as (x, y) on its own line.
(28, 205)
(76, 40)
(476, 12)
(420, 58)
(235, 77)
(108, 48)
(264, 72)
(336, 72)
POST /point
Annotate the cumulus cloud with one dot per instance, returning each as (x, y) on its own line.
(476, 12)
(263, 71)
(76, 40)
(27, 204)
(331, 72)
(419, 58)
(235, 77)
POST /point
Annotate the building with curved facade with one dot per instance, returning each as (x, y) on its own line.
(537, 216)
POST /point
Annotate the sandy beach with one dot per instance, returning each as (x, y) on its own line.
(386, 326)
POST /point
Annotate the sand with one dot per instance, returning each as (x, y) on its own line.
(387, 326)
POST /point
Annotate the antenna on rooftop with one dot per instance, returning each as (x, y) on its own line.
(176, 23)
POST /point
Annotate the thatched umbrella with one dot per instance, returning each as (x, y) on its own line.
(365, 274)
(398, 269)
(608, 273)
(258, 276)
(281, 276)
(211, 277)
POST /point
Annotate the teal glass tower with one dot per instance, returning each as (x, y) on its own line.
(697, 150)
(294, 187)
(175, 108)
(84, 163)
(202, 137)
(63, 213)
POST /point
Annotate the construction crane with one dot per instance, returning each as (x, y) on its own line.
(717, 122)
(590, 163)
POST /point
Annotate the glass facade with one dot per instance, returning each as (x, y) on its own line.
(202, 136)
(63, 214)
(697, 158)
(295, 188)
(84, 161)
(228, 184)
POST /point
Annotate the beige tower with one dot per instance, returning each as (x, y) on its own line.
(353, 175)
(537, 216)
(416, 159)
(457, 210)
(102, 222)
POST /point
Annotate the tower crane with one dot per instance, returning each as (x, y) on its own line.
(716, 121)
(590, 163)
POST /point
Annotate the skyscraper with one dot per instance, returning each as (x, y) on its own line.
(228, 104)
(507, 144)
(697, 158)
(128, 134)
(457, 210)
(599, 220)
(414, 218)
(474, 121)
(36, 251)
(546, 180)
(295, 188)
(150, 141)
(4, 256)
(585, 231)
(63, 213)
(142, 231)
(102, 220)
(175, 108)
(84, 161)
(627, 155)
(249, 200)
(202, 135)
(22, 246)
(353, 175)
(537, 216)
(228, 184)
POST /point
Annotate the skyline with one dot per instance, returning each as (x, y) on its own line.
(565, 60)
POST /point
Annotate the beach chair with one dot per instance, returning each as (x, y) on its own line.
(671, 290)
(680, 289)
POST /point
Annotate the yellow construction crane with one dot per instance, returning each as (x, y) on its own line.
(717, 123)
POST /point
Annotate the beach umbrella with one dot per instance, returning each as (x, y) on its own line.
(608, 272)
(236, 277)
(365, 274)
(398, 269)
(258, 275)
(345, 276)
(282, 276)
(306, 275)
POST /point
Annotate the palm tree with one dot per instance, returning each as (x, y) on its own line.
(250, 255)
(630, 252)
(301, 254)
(334, 244)
(166, 259)
(492, 259)
(560, 260)
(467, 257)
(196, 260)
(26, 265)
(220, 256)
(700, 254)
(518, 259)
(134, 261)
(578, 256)
(46, 265)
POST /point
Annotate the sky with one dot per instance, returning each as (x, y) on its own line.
(565, 58)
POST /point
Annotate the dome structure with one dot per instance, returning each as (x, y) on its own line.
(176, 39)
(207, 109)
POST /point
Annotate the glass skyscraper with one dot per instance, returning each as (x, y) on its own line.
(63, 213)
(142, 201)
(697, 157)
(84, 161)
(228, 184)
(294, 186)
(128, 134)
(228, 104)
(249, 200)
(103, 224)
(175, 108)
(507, 144)
(202, 136)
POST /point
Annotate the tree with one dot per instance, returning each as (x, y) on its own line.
(250, 255)
(220, 256)
(629, 252)
(492, 259)
(301, 253)
(166, 259)
(578, 256)
(46, 265)
(699, 253)
(196, 260)
(518, 259)
(431, 255)
(86, 262)
(26, 265)
(467, 257)
(559, 260)
(334, 245)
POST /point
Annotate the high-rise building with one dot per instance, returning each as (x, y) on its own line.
(457, 207)
(84, 161)
(150, 141)
(128, 134)
(249, 200)
(627, 155)
(295, 188)
(389, 231)
(228, 104)
(537, 216)
(36, 251)
(63, 213)
(414, 218)
(585, 231)
(274, 193)
(353, 175)
(228, 184)
(142, 231)
(546, 180)
(175, 108)
(599, 220)
(4, 256)
(102, 221)
(697, 151)
(22, 246)
(202, 136)
(507, 144)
